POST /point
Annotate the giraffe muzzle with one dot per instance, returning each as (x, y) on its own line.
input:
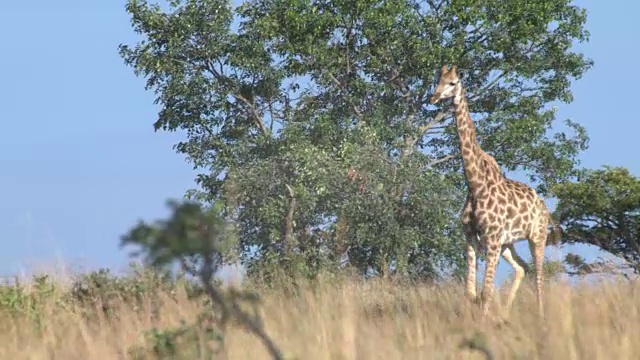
(434, 98)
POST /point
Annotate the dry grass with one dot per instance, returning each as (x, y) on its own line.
(357, 320)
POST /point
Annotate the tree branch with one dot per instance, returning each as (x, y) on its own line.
(257, 119)
(256, 116)
(324, 71)
(245, 320)
(287, 231)
(436, 120)
(231, 308)
(487, 87)
(439, 161)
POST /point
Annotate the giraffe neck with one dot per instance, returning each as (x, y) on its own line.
(469, 149)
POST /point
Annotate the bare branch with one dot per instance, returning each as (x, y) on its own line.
(439, 161)
(436, 120)
(435, 130)
(410, 141)
(488, 86)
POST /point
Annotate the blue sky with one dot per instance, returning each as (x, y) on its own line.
(81, 162)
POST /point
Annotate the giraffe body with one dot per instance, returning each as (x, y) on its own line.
(498, 211)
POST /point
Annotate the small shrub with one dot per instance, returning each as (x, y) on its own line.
(103, 291)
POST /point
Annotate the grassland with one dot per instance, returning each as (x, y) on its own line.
(103, 318)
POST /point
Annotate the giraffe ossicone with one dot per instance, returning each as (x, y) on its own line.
(498, 211)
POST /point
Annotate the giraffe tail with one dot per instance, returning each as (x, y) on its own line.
(555, 235)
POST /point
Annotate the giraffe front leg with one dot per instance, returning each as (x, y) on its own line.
(471, 272)
(493, 254)
(470, 236)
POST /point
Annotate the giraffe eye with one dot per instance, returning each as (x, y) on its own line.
(452, 84)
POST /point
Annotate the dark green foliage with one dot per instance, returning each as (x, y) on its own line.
(602, 208)
(308, 119)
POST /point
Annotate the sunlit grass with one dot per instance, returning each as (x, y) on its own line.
(339, 319)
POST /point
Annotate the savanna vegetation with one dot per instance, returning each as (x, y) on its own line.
(143, 316)
(323, 170)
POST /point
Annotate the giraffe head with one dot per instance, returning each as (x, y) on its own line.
(447, 86)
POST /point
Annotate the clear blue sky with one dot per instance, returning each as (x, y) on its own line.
(81, 162)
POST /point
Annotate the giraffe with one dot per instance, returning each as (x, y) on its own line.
(498, 211)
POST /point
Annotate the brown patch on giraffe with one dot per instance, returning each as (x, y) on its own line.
(491, 203)
(516, 222)
(523, 208)
(492, 217)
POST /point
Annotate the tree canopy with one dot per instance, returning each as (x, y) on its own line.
(603, 209)
(309, 119)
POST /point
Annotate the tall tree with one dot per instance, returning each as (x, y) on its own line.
(309, 119)
(602, 209)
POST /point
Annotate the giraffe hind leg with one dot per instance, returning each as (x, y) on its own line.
(510, 255)
(537, 247)
(519, 259)
(471, 272)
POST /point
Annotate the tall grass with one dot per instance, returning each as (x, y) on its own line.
(100, 316)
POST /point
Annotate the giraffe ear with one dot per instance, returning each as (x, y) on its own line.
(462, 75)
